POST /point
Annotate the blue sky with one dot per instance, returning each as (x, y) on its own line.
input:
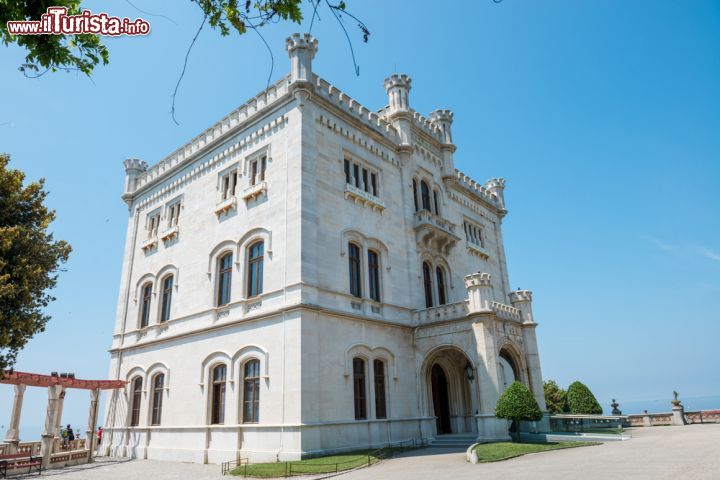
(603, 116)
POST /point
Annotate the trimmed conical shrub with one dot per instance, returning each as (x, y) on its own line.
(581, 401)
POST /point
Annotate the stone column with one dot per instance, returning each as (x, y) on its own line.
(678, 412)
(48, 436)
(12, 437)
(92, 423)
(59, 411)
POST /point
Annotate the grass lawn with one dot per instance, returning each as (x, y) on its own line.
(328, 464)
(494, 452)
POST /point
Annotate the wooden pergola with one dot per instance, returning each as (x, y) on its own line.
(56, 385)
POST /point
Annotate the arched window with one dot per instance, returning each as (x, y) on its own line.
(255, 269)
(379, 374)
(251, 392)
(359, 389)
(135, 402)
(224, 278)
(354, 264)
(415, 195)
(427, 283)
(374, 274)
(425, 196)
(145, 305)
(157, 397)
(440, 274)
(436, 202)
(217, 393)
(167, 286)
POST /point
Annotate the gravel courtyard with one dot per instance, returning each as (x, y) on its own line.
(691, 452)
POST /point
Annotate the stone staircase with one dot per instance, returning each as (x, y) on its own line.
(454, 440)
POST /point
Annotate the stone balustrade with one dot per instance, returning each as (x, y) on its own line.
(442, 313)
(506, 311)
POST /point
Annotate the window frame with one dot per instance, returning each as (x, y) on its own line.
(166, 297)
(441, 281)
(360, 388)
(380, 382)
(146, 293)
(425, 201)
(255, 269)
(218, 392)
(362, 175)
(251, 388)
(152, 224)
(136, 401)
(228, 189)
(223, 295)
(157, 399)
(355, 269)
(427, 284)
(373, 269)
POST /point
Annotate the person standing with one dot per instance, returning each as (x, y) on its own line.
(70, 435)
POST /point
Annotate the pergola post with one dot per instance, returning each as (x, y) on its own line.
(48, 436)
(12, 436)
(92, 422)
(57, 421)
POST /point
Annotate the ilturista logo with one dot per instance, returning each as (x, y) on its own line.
(56, 21)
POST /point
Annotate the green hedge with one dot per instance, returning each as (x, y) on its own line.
(581, 400)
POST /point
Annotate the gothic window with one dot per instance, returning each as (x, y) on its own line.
(224, 279)
(145, 305)
(427, 284)
(425, 196)
(348, 177)
(228, 184)
(374, 274)
(157, 397)
(436, 202)
(251, 392)
(217, 395)
(379, 374)
(373, 184)
(359, 390)
(356, 174)
(442, 293)
(354, 267)
(135, 402)
(415, 195)
(167, 287)
(255, 269)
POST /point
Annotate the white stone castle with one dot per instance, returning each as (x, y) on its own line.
(308, 276)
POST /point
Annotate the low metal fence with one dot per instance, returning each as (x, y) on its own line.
(243, 468)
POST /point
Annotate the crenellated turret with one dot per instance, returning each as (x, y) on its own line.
(479, 292)
(443, 120)
(398, 113)
(301, 50)
(496, 186)
(134, 167)
(522, 300)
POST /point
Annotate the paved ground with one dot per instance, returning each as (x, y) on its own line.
(657, 453)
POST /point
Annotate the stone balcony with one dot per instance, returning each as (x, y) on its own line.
(226, 205)
(254, 191)
(433, 231)
(461, 309)
(366, 199)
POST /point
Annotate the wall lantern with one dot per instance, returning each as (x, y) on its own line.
(469, 373)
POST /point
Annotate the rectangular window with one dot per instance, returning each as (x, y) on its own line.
(366, 184)
(348, 178)
(173, 214)
(359, 389)
(217, 414)
(166, 298)
(356, 174)
(158, 385)
(229, 182)
(257, 170)
(153, 223)
(224, 277)
(374, 275)
(136, 399)
(474, 234)
(379, 372)
(251, 392)
(373, 184)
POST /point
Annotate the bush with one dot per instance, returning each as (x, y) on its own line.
(517, 404)
(555, 397)
(581, 401)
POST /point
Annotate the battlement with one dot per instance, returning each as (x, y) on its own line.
(475, 188)
(519, 296)
(135, 165)
(305, 41)
(345, 102)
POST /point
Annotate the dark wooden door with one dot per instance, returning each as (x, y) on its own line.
(441, 403)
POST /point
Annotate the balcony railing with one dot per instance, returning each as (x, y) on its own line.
(506, 311)
(442, 313)
(254, 191)
(363, 197)
(434, 231)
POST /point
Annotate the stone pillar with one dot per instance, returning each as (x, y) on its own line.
(398, 113)
(490, 428)
(12, 436)
(678, 412)
(92, 423)
(48, 436)
(59, 411)
(479, 292)
(497, 187)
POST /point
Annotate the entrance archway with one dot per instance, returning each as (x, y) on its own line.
(451, 393)
(441, 402)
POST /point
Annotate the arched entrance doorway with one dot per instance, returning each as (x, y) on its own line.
(441, 402)
(451, 391)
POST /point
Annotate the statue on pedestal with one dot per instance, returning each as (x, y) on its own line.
(615, 406)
